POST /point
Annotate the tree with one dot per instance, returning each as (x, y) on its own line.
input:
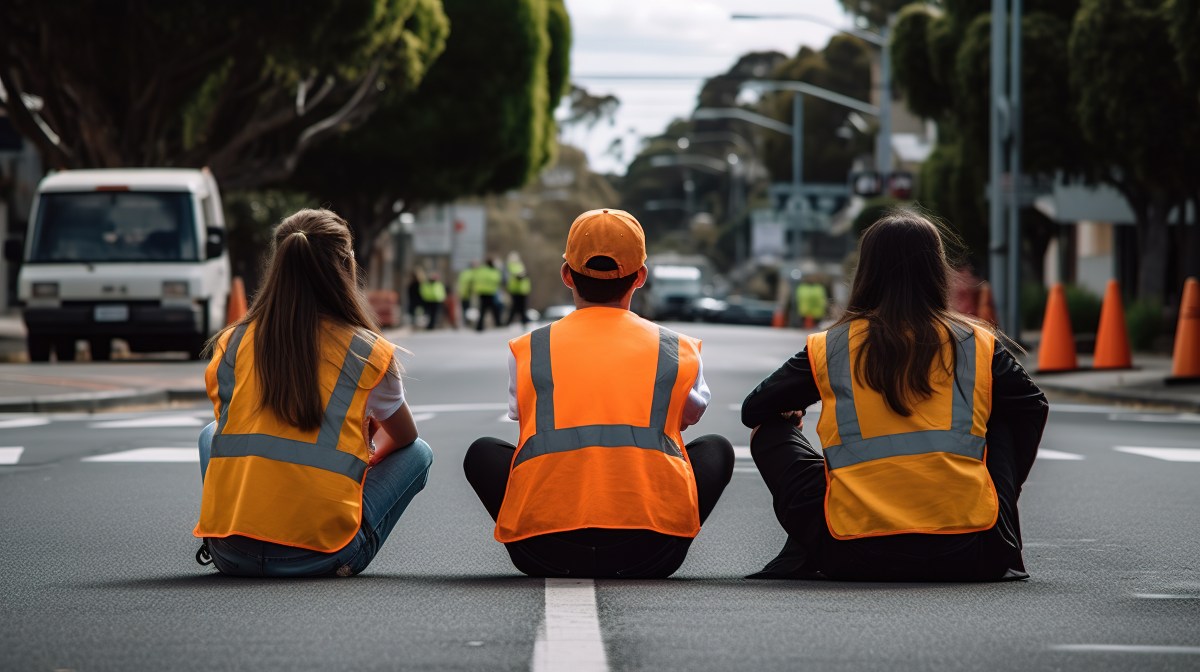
(874, 12)
(245, 89)
(844, 67)
(1139, 118)
(481, 122)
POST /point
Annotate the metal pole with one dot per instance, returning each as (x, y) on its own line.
(1012, 317)
(797, 169)
(996, 248)
(883, 152)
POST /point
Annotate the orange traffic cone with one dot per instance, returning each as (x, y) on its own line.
(1185, 365)
(777, 320)
(1112, 338)
(236, 309)
(1057, 350)
(986, 309)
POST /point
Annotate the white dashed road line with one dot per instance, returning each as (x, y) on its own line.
(1127, 648)
(151, 421)
(17, 423)
(1047, 454)
(1168, 454)
(149, 455)
(569, 638)
(10, 454)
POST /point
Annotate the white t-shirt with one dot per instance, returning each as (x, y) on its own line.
(388, 395)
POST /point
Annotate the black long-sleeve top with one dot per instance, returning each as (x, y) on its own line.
(1017, 402)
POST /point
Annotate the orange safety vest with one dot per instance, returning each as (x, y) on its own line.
(889, 474)
(270, 481)
(600, 396)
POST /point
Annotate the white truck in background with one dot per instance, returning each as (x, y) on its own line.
(135, 254)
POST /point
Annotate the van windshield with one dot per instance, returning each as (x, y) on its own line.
(99, 226)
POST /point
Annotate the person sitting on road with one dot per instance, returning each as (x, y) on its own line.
(600, 483)
(314, 452)
(929, 427)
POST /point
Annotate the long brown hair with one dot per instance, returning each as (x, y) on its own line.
(902, 289)
(311, 277)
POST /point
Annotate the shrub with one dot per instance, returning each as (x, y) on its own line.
(1033, 305)
(1084, 309)
(1144, 318)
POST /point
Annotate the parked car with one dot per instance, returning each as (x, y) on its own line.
(552, 313)
(136, 254)
(735, 309)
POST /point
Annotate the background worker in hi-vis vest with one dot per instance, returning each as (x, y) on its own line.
(600, 483)
(928, 429)
(314, 453)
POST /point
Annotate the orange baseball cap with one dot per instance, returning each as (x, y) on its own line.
(606, 233)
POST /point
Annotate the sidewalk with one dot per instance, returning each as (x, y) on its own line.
(90, 387)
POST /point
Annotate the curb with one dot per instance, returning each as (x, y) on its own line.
(90, 402)
(1167, 402)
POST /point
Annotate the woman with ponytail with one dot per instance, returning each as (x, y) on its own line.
(929, 427)
(313, 454)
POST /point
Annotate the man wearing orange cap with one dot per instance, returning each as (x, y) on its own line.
(600, 483)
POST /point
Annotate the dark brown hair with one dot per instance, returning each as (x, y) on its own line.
(902, 289)
(597, 290)
(311, 277)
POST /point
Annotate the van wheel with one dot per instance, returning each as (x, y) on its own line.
(64, 349)
(38, 347)
(101, 349)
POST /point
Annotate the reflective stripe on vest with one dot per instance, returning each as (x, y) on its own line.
(546, 439)
(323, 454)
(854, 449)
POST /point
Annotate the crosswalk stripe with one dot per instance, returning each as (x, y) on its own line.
(1168, 454)
(422, 417)
(151, 421)
(1048, 454)
(149, 455)
(741, 452)
(1127, 648)
(11, 454)
(16, 423)
(569, 638)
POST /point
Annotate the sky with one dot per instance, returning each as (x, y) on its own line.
(688, 40)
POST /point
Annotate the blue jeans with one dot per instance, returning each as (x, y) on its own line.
(387, 491)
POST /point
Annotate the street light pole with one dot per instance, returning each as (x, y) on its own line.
(883, 152)
(797, 167)
(997, 260)
(1012, 313)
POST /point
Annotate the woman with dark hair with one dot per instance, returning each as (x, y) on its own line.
(314, 453)
(929, 427)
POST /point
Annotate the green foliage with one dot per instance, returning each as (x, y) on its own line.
(1145, 320)
(872, 211)
(244, 88)
(1033, 305)
(913, 62)
(1084, 308)
(874, 12)
(843, 67)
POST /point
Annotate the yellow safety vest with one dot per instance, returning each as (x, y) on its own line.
(487, 280)
(600, 396)
(270, 481)
(889, 474)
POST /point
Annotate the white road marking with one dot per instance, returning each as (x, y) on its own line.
(422, 417)
(1083, 408)
(151, 421)
(1155, 417)
(745, 470)
(1126, 648)
(1047, 454)
(458, 408)
(1168, 454)
(1165, 596)
(16, 423)
(569, 638)
(11, 454)
(741, 452)
(504, 418)
(149, 455)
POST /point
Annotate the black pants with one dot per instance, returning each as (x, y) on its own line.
(518, 309)
(794, 472)
(434, 308)
(487, 304)
(592, 552)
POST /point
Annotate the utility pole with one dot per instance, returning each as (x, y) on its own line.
(794, 205)
(1012, 309)
(999, 132)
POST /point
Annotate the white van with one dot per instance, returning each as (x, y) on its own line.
(136, 254)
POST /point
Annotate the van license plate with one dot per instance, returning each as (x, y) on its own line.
(115, 312)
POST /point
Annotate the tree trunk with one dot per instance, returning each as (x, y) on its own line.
(1153, 243)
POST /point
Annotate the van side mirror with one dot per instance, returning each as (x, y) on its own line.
(14, 249)
(214, 242)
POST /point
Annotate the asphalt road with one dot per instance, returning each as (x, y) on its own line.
(96, 568)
